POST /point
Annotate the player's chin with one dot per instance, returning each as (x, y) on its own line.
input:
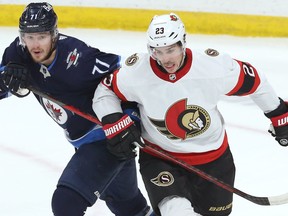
(37, 58)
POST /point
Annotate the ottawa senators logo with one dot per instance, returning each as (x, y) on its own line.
(183, 121)
(131, 60)
(212, 52)
(164, 179)
(173, 17)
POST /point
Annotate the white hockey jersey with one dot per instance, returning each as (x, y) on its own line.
(179, 111)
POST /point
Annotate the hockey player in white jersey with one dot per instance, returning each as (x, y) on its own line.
(177, 91)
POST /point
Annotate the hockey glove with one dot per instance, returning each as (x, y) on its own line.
(131, 109)
(3, 88)
(15, 77)
(122, 135)
(279, 126)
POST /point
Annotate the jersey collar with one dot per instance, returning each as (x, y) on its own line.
(156, 68)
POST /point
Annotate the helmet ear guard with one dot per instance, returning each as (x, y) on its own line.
(165, 30)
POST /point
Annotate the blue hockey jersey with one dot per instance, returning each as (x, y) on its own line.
(71, 78)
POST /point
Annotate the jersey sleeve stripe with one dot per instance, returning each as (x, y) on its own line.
(248, 81)
(115, 87)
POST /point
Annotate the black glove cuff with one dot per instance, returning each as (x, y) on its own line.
(3, 87)
(111, 118)
(281, 109)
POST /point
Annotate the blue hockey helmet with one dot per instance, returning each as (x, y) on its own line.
(38, 17)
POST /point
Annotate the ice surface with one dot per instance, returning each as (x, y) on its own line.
(33, 150)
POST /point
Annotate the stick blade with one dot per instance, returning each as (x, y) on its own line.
(278, 200)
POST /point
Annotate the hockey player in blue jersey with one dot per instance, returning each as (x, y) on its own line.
(69, 70)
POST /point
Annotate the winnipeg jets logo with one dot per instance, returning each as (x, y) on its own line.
(164, 179)
(183, 121)
(57, 113)
(44, 71)
(72, 58)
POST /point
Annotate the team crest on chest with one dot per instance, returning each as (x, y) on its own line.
(183, 121)
(57, 113)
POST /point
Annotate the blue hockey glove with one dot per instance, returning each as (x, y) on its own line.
(15, 77)
(122, 135)
(279, 125)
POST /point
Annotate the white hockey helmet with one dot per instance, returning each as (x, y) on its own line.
(165, 30)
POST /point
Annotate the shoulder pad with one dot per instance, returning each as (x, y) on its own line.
(222, 58)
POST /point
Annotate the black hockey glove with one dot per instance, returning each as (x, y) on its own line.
(122, 135)
(131, 109)
(279, 126)
(3, 88)
(16, 77)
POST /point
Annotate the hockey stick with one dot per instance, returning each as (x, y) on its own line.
(266, 201)
(68, 107)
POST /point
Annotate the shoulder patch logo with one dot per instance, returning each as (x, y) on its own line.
(211, 52)
(131, 60)
(72, 58)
